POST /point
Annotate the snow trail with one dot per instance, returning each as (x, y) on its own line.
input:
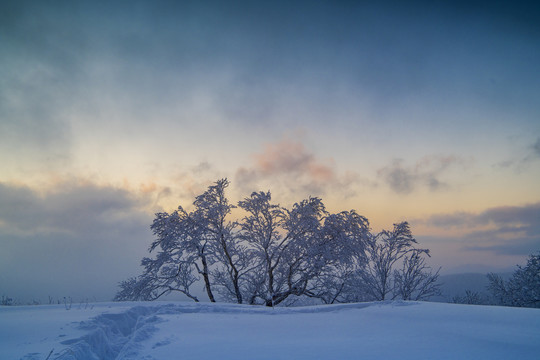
(113, 336)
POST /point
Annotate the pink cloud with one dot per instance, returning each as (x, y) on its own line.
(289, 162)
(288, 157)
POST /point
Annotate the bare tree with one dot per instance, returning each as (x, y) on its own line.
(381, 280)
(415, 280)
(386, 249)
(470, 298)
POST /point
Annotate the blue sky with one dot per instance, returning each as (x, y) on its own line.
(425, 111)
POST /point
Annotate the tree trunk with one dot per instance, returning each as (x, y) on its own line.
(207, 279)
(235, 274)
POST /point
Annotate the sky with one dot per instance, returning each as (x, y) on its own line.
(424, 112)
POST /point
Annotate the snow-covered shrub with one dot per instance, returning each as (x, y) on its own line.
(6, 301)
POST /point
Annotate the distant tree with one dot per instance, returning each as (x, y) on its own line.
(470, 298)
(522, 289)
(6, 301)
(498, 289)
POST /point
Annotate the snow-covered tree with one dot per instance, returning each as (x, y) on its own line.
(173, 268)
(345, 237)
(276, 255)
(260, 229)
(285, 246)
(302, 255)
(231, 257)
(188, 246)
(522, 289)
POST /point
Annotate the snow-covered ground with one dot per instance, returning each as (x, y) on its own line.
(164, 330)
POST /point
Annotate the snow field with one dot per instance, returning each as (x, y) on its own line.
(160, 330)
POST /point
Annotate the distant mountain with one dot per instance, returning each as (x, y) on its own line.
(457, 284)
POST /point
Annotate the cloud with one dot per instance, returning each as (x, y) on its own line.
(75, 240)
(426, 172)
(505, 230)
(446, 221)
(291, 170)
(288, 160)
(519, 246)
(520, 165)
(287, 157)
(401, 180)
(536, 147)
(45, 53)
(508, 215)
